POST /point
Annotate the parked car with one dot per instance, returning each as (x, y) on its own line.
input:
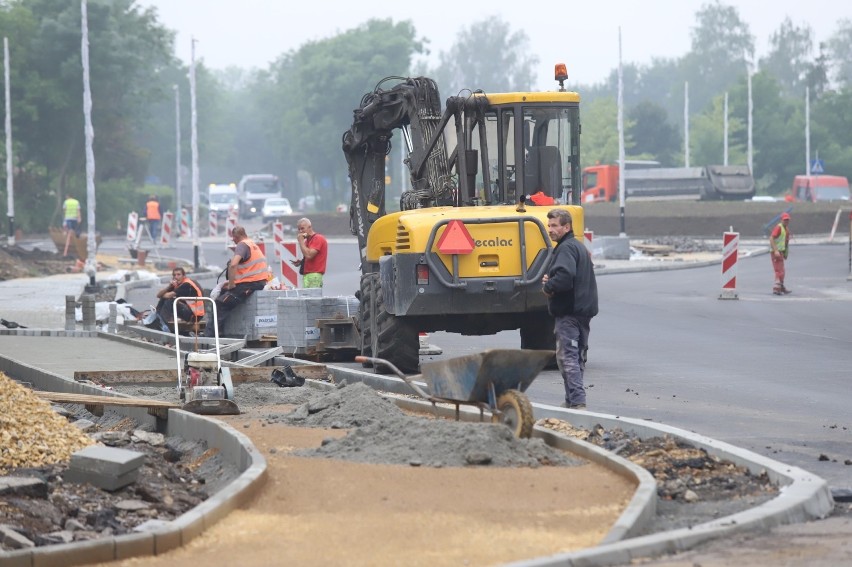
(275, 207)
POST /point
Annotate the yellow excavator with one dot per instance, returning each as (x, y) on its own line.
(468, 247)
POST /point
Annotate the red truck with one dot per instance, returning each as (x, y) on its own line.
(815, 188)
(644, 181)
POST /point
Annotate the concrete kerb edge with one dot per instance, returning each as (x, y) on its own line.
(233, 446)
(803, 496)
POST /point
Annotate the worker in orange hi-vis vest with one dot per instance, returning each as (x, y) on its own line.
(152, 213)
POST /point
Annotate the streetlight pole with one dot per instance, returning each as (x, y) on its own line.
(10, 183)
(196, 243)
(178, 205)
(622, 220)
(91, 244)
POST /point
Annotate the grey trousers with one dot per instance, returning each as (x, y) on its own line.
(572, 337)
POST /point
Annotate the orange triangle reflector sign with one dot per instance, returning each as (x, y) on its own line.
(456, 239)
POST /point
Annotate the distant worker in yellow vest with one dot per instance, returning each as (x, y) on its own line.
(71, 212)
(779, 242)
(247, 273)
(152, 213)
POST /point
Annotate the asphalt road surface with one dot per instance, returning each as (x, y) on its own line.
(764, 372)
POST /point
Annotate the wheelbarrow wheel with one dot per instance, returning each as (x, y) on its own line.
(515, 411)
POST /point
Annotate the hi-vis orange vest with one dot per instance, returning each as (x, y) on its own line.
(197, 307)
(255, 268)
(152, 211)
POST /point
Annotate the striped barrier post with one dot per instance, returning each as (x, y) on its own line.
(132, 226)
(213, 223)
(288, 272)
(166, 230)
(588, 236)
(730, 241)
(278, 236)
(184, 223)
(230, 224)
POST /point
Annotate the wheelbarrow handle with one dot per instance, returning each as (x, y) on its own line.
(420, 391)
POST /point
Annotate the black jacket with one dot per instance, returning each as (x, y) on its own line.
(571, 280)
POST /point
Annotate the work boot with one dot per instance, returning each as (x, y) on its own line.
(785, 291)
(777, 290)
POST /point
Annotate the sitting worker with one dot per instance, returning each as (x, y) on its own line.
(539, 198)
(247, 273)
(180, 286)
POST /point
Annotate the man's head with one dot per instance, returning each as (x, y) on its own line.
(558, 223)
(304, 226)
(178, 274)
(238, 234)
(785, 218)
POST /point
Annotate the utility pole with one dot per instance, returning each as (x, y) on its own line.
(196, 244)
(807, 130)
(686, 124)
(91, 243)
(622, 221)
(178, 204)
(10, 180)
(725, 129)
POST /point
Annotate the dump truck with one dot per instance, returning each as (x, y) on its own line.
(707, 183)
(466, 251)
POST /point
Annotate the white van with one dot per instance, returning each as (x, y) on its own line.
(221, 198)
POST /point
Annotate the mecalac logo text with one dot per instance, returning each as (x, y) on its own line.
(491, 242)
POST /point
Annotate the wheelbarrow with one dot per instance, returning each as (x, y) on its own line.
(492, 379)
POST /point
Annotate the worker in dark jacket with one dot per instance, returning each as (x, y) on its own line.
(572, 294)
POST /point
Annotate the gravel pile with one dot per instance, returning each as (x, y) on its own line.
(685, 244)
(31, 433)
(385, 434)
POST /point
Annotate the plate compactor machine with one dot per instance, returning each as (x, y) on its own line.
(204, 385)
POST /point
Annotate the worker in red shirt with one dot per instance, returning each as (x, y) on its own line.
(779, 242)
(314, 249)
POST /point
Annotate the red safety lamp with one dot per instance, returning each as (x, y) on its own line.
(561, 75)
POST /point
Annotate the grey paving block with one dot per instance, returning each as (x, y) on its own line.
(106, 460)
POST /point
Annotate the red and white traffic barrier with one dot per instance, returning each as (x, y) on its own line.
(184, 223)
(132, 226)
(730, 242)
(588, 236)
(278, 238)
(213, 223)
(166, 229)
(230, 224)
(289, 273)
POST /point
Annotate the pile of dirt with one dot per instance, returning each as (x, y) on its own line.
(177, 475)
(384, 434)
(17, 262)
(693, 486)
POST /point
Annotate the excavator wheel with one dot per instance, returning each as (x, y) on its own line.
(515, 411)
(393, 339)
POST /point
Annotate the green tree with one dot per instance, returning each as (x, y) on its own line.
(599, 143)
(721, 46)
(840, 52)
(652, 133)
(789, 58)
(489, 56)
(128, 49)
(320, 84)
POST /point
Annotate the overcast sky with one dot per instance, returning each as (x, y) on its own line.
(584, 35)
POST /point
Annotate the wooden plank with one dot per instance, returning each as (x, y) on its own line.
(95, 400)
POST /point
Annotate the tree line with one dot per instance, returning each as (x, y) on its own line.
(288, 118)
